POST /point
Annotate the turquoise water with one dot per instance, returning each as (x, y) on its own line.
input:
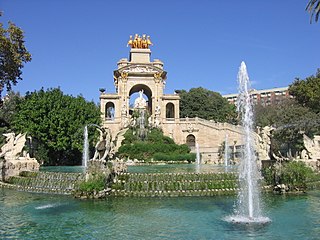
(41, 216)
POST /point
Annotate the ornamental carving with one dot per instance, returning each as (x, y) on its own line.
(124, 76)
(190, 128)
(139, 69)
(157, 77)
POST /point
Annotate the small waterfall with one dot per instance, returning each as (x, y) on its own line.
(226, 151)
(141, 124)
(85, 154)
(249, 205)
(198, 158)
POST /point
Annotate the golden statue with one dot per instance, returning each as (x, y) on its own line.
(130, 42)
(149, 42)
(139, 42)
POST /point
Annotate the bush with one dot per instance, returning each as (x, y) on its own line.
(95, 183)
(154, 143)
(294, 174)
(190, 157)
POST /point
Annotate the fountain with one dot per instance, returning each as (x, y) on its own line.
(85, 156)
(248, 205)
(226, 152)
(198, 157)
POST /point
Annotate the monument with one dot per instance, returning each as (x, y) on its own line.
(138, 74)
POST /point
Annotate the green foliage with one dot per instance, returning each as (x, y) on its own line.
(313, 8)
(293, 173)
(307, 92)
(95, 183)
(155, 142)
(55, 121)
(290, 119)
(190, 157)
(13, 55)
(7, 112)
(203, 103)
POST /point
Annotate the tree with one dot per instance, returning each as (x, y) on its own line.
(13, 55)
(8, 108)
(307, 92)
(7, 112)
(313, 8)
(290, 120)
(56, 122)
(203, 103)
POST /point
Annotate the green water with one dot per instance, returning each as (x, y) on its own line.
(42, 216)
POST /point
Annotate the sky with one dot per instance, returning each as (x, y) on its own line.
(76, 44)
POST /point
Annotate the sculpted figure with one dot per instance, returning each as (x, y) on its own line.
(157, 110)
(103, 147)
(13, 148)
(139, 42)
(130, 42)
(149, 41)
(144, 43)
(135, 41)
(124, 110)
(140, 102)
(265, 142)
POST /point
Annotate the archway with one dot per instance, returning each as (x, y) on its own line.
(170, 110)
(191, 141)
(109, 111)
(147, 94)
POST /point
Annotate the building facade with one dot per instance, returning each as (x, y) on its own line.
(263, 97)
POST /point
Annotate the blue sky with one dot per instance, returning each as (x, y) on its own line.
(76, 44)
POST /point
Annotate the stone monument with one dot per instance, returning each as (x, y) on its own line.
(14, 157)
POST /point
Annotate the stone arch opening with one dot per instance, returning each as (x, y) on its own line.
(109, 111)
(134, 93)
(191, 141)
(170, 110)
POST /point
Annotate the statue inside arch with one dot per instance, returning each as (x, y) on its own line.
(140, 102)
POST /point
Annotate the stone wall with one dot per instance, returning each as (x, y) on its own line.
(208, 134)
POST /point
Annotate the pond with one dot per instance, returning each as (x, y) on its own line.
(43, 216)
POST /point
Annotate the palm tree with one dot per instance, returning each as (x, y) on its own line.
(313, 8)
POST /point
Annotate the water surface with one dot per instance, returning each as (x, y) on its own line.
(43, 216)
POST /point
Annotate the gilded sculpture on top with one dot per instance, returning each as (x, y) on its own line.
(139, 42)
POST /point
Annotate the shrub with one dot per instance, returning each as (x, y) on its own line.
(294, 174)
(154, 143)
(95, 183)
(190, 157)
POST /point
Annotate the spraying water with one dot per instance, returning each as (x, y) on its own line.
(85, 153)
(85, 156)
(249, 205)
(226, 152)
(198, 159)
